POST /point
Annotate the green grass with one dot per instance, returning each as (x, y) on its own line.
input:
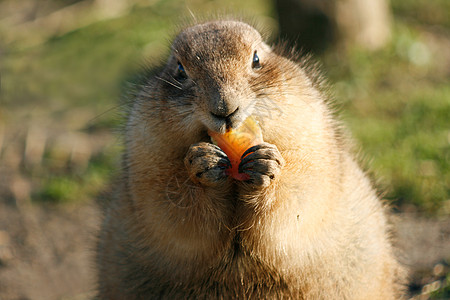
(73, 186)
(397, 104)
(444, 291)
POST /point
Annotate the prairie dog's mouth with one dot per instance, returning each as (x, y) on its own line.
(222, 124)
(204, 137)
(217, 125)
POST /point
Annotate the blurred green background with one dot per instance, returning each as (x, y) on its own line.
(64, 66)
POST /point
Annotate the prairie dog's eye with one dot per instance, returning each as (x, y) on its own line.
(181, 73)
(255, 62)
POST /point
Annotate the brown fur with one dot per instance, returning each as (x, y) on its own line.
(307, 225)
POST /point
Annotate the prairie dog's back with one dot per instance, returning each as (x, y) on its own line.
(305, 224)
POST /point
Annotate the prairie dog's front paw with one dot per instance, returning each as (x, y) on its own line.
(262, 163)
(206, 164)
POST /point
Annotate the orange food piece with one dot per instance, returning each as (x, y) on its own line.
(236, 141)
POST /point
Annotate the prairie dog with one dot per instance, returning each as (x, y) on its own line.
(305, 225)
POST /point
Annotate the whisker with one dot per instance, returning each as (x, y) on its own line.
(91, 121)
(191, 13)
(176, 80)
(171, 83)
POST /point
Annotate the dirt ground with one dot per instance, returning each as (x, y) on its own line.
(47, 251)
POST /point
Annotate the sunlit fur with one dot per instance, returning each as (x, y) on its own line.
(318, 231)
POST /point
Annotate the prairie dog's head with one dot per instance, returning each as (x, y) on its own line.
(216, 67)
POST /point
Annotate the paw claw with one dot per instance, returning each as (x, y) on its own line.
(262, 163)
(206, 164)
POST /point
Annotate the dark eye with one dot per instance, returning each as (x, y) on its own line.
(181, 73)
(255, 63)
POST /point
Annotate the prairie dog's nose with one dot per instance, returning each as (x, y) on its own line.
(223, 101)
(224, 114)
